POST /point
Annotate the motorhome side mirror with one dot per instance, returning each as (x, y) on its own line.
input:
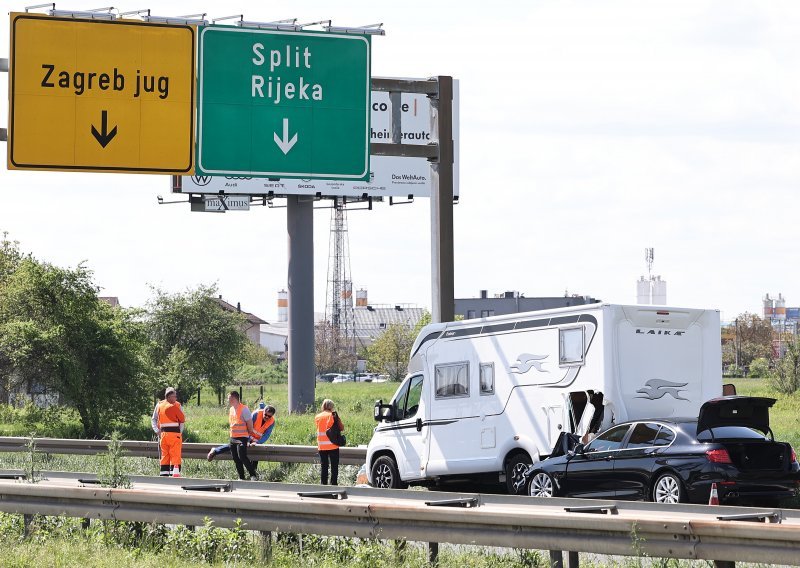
(383, 412)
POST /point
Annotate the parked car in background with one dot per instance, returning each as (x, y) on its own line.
(676, 460)
(328, 377)
(342, 378)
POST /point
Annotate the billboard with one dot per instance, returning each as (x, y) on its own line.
(389, 176)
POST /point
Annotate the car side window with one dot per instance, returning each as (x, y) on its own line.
(643, 435)
(610, 440)
(664, 437)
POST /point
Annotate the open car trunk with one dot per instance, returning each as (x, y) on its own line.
(747, 411)
(731, 414)
(759, 455)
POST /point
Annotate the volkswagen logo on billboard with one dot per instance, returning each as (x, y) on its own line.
(201, 180)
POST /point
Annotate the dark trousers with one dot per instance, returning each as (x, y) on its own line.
(331, 457)
(227, 448)
(239, 454)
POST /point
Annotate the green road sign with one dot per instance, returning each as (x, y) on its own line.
(283, 104)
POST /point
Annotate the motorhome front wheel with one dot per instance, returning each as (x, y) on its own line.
(385, 474)
(516, 467)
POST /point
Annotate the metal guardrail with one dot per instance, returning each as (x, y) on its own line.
(143, 449)
(628, 529)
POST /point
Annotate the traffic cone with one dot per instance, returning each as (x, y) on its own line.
(176, 472)
(713, 498)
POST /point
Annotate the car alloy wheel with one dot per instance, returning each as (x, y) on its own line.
(541, 485)
(668, 489)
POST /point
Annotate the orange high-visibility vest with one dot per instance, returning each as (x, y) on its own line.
(170, 416)
(238, 426)
(324, 420)
(262, 422)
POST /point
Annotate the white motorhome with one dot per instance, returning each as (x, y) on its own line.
(485, 398)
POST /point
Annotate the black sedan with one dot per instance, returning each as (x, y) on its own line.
(676, 460)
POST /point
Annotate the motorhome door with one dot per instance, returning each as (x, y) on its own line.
(409, 429)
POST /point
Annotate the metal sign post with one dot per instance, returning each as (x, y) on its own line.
(440, 154)
(442, 261)
(302, 375)
(300, 228)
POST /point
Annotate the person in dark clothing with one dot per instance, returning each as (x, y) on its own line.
(328, 451)
(241, 430)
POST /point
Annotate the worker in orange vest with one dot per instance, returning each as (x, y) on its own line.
(328, 451)
(263, 425)
(241, 431)
(167, 421)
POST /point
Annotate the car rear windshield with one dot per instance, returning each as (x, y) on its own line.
(730, 433)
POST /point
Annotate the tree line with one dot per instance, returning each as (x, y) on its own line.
(752, 347)
(108, 362)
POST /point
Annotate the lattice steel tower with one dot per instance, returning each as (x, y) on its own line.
(339, 302)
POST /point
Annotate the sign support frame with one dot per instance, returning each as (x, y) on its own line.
(300, 228)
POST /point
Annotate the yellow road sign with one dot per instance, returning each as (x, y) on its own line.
(94, 95)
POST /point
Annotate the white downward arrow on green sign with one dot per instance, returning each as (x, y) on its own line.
(285, 144)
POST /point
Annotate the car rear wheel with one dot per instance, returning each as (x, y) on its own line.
(385, 474)
(541, 485)
(515, 473)
(668, 489)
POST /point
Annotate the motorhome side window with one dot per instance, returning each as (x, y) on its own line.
(487, 378)
(452, 380)
(571, 351)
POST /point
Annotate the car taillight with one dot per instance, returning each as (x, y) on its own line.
(794, 455)
(718, 456)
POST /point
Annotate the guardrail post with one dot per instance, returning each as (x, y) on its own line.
(724, 564)
(399, 552)
(86, 523)
(266, 545)
(27, 522)
(198, 396)
(556, 559)
(433, 553)
(573, 561)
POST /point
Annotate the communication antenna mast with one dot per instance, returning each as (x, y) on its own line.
(648, 258)
(339, 305)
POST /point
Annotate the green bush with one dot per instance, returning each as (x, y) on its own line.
(759, 368)
(786, 378)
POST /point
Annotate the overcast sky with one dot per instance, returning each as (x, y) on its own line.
(589, 131)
